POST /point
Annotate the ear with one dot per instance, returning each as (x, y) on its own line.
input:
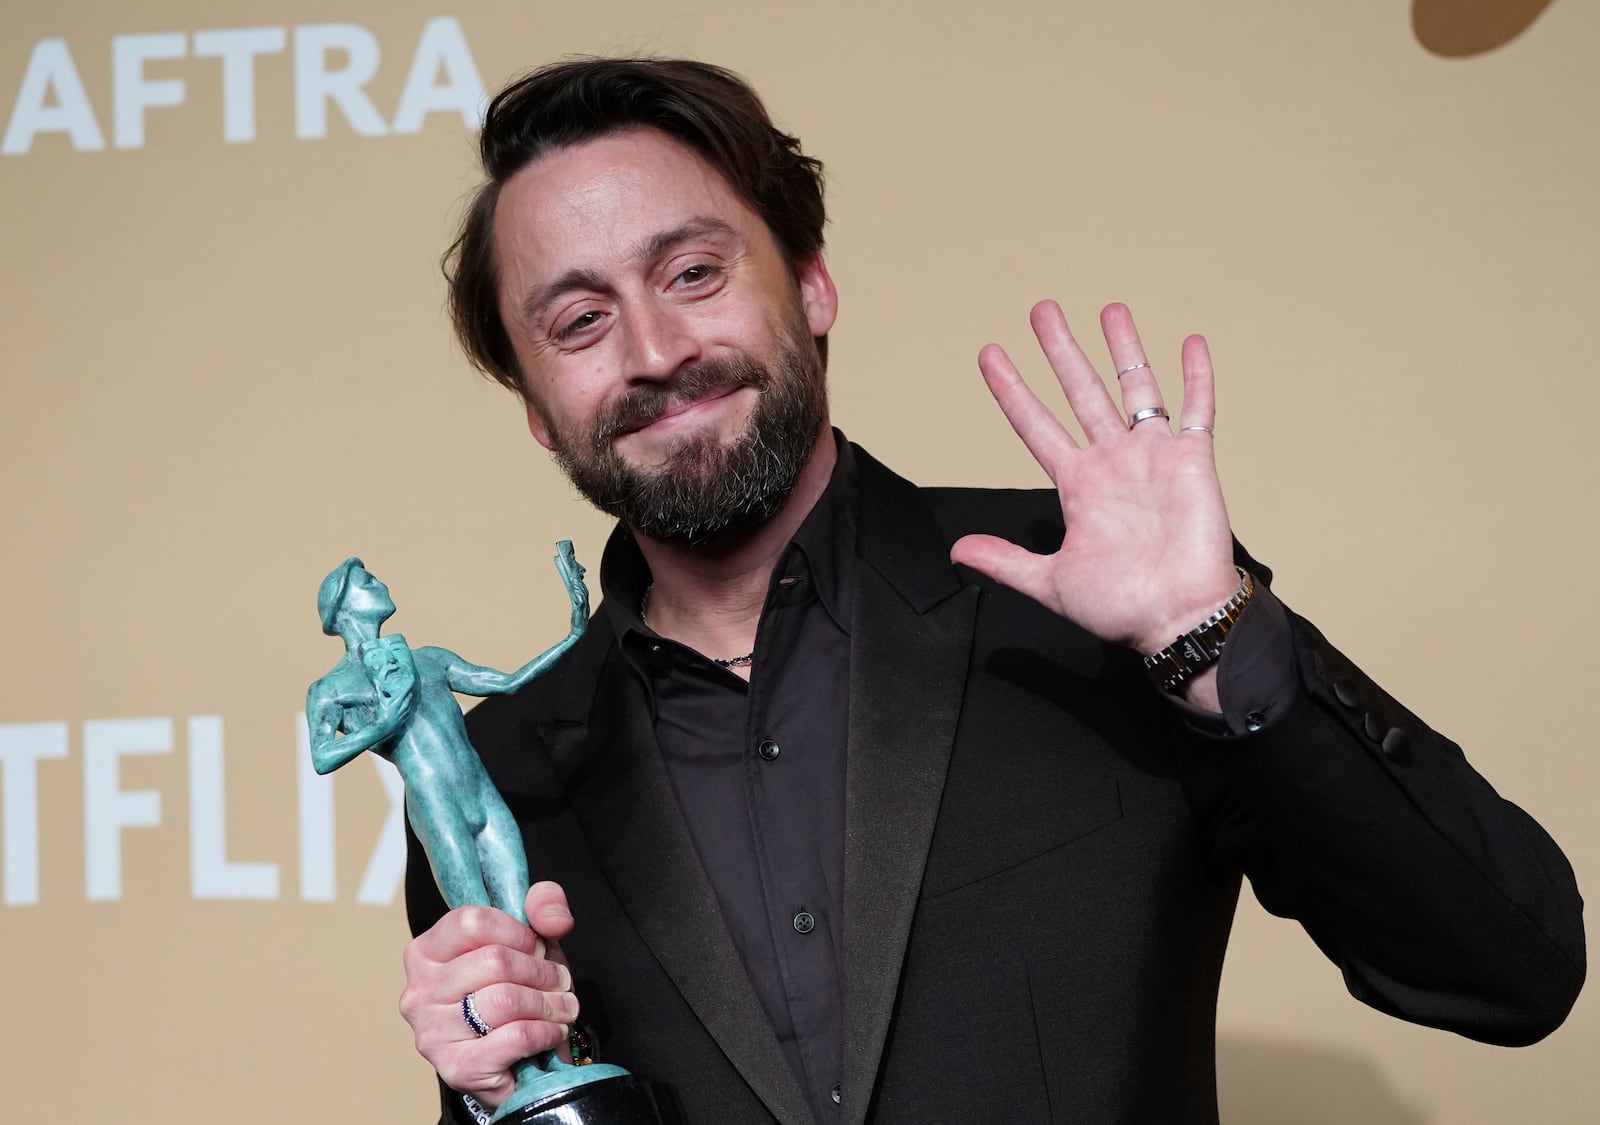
(537, 426)
(817, 295)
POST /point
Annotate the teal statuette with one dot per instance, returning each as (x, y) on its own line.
(397, 701)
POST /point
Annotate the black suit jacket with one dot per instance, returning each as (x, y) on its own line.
(1041, 861)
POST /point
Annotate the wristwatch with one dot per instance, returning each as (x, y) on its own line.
(1199, 648)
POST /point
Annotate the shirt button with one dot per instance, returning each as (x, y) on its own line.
(768, 749)
(1254, 721)
(804, 923)
(835, 1093)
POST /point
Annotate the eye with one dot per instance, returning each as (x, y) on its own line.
(697, 274)
(578, 324)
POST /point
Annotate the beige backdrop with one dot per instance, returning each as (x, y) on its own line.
(226, 367)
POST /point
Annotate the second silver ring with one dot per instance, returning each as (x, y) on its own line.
(1146, 414)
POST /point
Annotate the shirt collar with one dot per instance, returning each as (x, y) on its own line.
(827, 537)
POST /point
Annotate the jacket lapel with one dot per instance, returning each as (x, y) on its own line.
(605, 749)
(911, 640)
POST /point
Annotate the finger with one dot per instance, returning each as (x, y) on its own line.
(467, 928)
(481, 1067)
(501, 1004)
(1199, 387)
(547, 910)
(1005, 562)
(477, 973)
(495, 964)
(505, 986)
(1140, 391)
(1034, 424)
(552, 952)
(524, 1039)
(1085, 390)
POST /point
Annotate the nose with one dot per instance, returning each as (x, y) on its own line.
(660, 341)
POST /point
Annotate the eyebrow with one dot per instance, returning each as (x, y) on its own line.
(701, 226)
(541, 297)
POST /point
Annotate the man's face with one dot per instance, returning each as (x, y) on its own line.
(666, 346)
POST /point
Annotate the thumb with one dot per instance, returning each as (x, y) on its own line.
(1005, 562)
(547, 910)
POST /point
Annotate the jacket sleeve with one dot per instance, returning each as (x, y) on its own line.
(1441, 902)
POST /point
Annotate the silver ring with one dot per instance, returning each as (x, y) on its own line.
(1121, 371)
(1201, 429)
(1146, 414)
(469, 1012)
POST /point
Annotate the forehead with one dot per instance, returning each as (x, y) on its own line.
(591, 204)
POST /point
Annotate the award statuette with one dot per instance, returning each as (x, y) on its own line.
(396, 701)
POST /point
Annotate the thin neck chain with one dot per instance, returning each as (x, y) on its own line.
(732, 662)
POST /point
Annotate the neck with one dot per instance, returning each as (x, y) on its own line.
(711, 599)
(357, 633)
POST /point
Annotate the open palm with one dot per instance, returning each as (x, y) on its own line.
(1147, 552)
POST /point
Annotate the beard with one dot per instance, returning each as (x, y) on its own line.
(705, 491)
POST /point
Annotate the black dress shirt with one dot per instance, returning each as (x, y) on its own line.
(758, 769)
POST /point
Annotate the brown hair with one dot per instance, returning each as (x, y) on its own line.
(709, 109)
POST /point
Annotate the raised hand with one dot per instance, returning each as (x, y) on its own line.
(1147, 552)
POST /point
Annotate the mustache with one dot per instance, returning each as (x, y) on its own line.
(647, 402)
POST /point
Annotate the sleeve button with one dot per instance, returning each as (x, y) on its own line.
(1394, 743)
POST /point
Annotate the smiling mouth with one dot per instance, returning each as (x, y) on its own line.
(685, 406)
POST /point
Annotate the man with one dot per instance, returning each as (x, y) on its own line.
(865, 804)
